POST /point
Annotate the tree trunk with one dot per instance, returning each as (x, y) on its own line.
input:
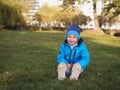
(97, 27)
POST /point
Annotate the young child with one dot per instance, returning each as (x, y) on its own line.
(73, 56)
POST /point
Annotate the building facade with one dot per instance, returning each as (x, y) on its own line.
(34, 5)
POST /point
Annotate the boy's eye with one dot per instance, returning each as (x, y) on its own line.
(71, 36)
(74, 37)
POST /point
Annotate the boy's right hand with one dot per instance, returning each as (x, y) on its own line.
(69, 66)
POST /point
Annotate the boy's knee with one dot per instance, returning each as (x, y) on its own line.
(61, 71)
(62, 66)
(76, 70)
(77, 67)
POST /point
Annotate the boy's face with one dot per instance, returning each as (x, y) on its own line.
(72, 39)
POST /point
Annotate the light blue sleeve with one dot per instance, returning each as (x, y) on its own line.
(85, 58)
(61, 55)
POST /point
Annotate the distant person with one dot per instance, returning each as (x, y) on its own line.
(73, 56)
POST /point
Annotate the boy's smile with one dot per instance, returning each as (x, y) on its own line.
(72, 39)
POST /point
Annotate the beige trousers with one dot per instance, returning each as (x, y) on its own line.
(76, 70)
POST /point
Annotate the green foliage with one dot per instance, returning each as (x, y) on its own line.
(68, 2)
(81, 19)
(32, 28)
(112, 11)
(10, 15)
(61, 14)
(115, 5)
(28, 62)
(38, 17)
(47, 13)
(67, 16)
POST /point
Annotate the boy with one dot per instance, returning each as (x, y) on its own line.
(73, 56)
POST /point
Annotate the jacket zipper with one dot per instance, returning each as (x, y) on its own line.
(74, 53)
(71, 54)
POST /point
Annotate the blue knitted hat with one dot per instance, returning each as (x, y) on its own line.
(73, 29)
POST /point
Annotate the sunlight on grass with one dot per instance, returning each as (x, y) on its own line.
(105, 39)
(23, 32)
(108, 41)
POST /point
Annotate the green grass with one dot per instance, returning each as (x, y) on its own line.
(28, 62)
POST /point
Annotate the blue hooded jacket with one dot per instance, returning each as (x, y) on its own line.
(79, 54)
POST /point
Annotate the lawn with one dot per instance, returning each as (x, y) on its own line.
(28, 62)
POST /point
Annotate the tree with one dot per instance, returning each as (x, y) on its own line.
(115, 6)
(81, 19)
(77, 16)
(69, 2)
(10, 15)
(60, 14)
(47, 13)
(97, 25)
(39, 19)
(111, 12)
(67, 15)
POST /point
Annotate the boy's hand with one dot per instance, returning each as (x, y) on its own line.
(69, 66)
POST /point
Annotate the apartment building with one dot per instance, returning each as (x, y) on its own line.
(33, 6)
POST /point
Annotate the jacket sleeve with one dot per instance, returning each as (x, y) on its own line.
(85, 58)
(61, 55)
